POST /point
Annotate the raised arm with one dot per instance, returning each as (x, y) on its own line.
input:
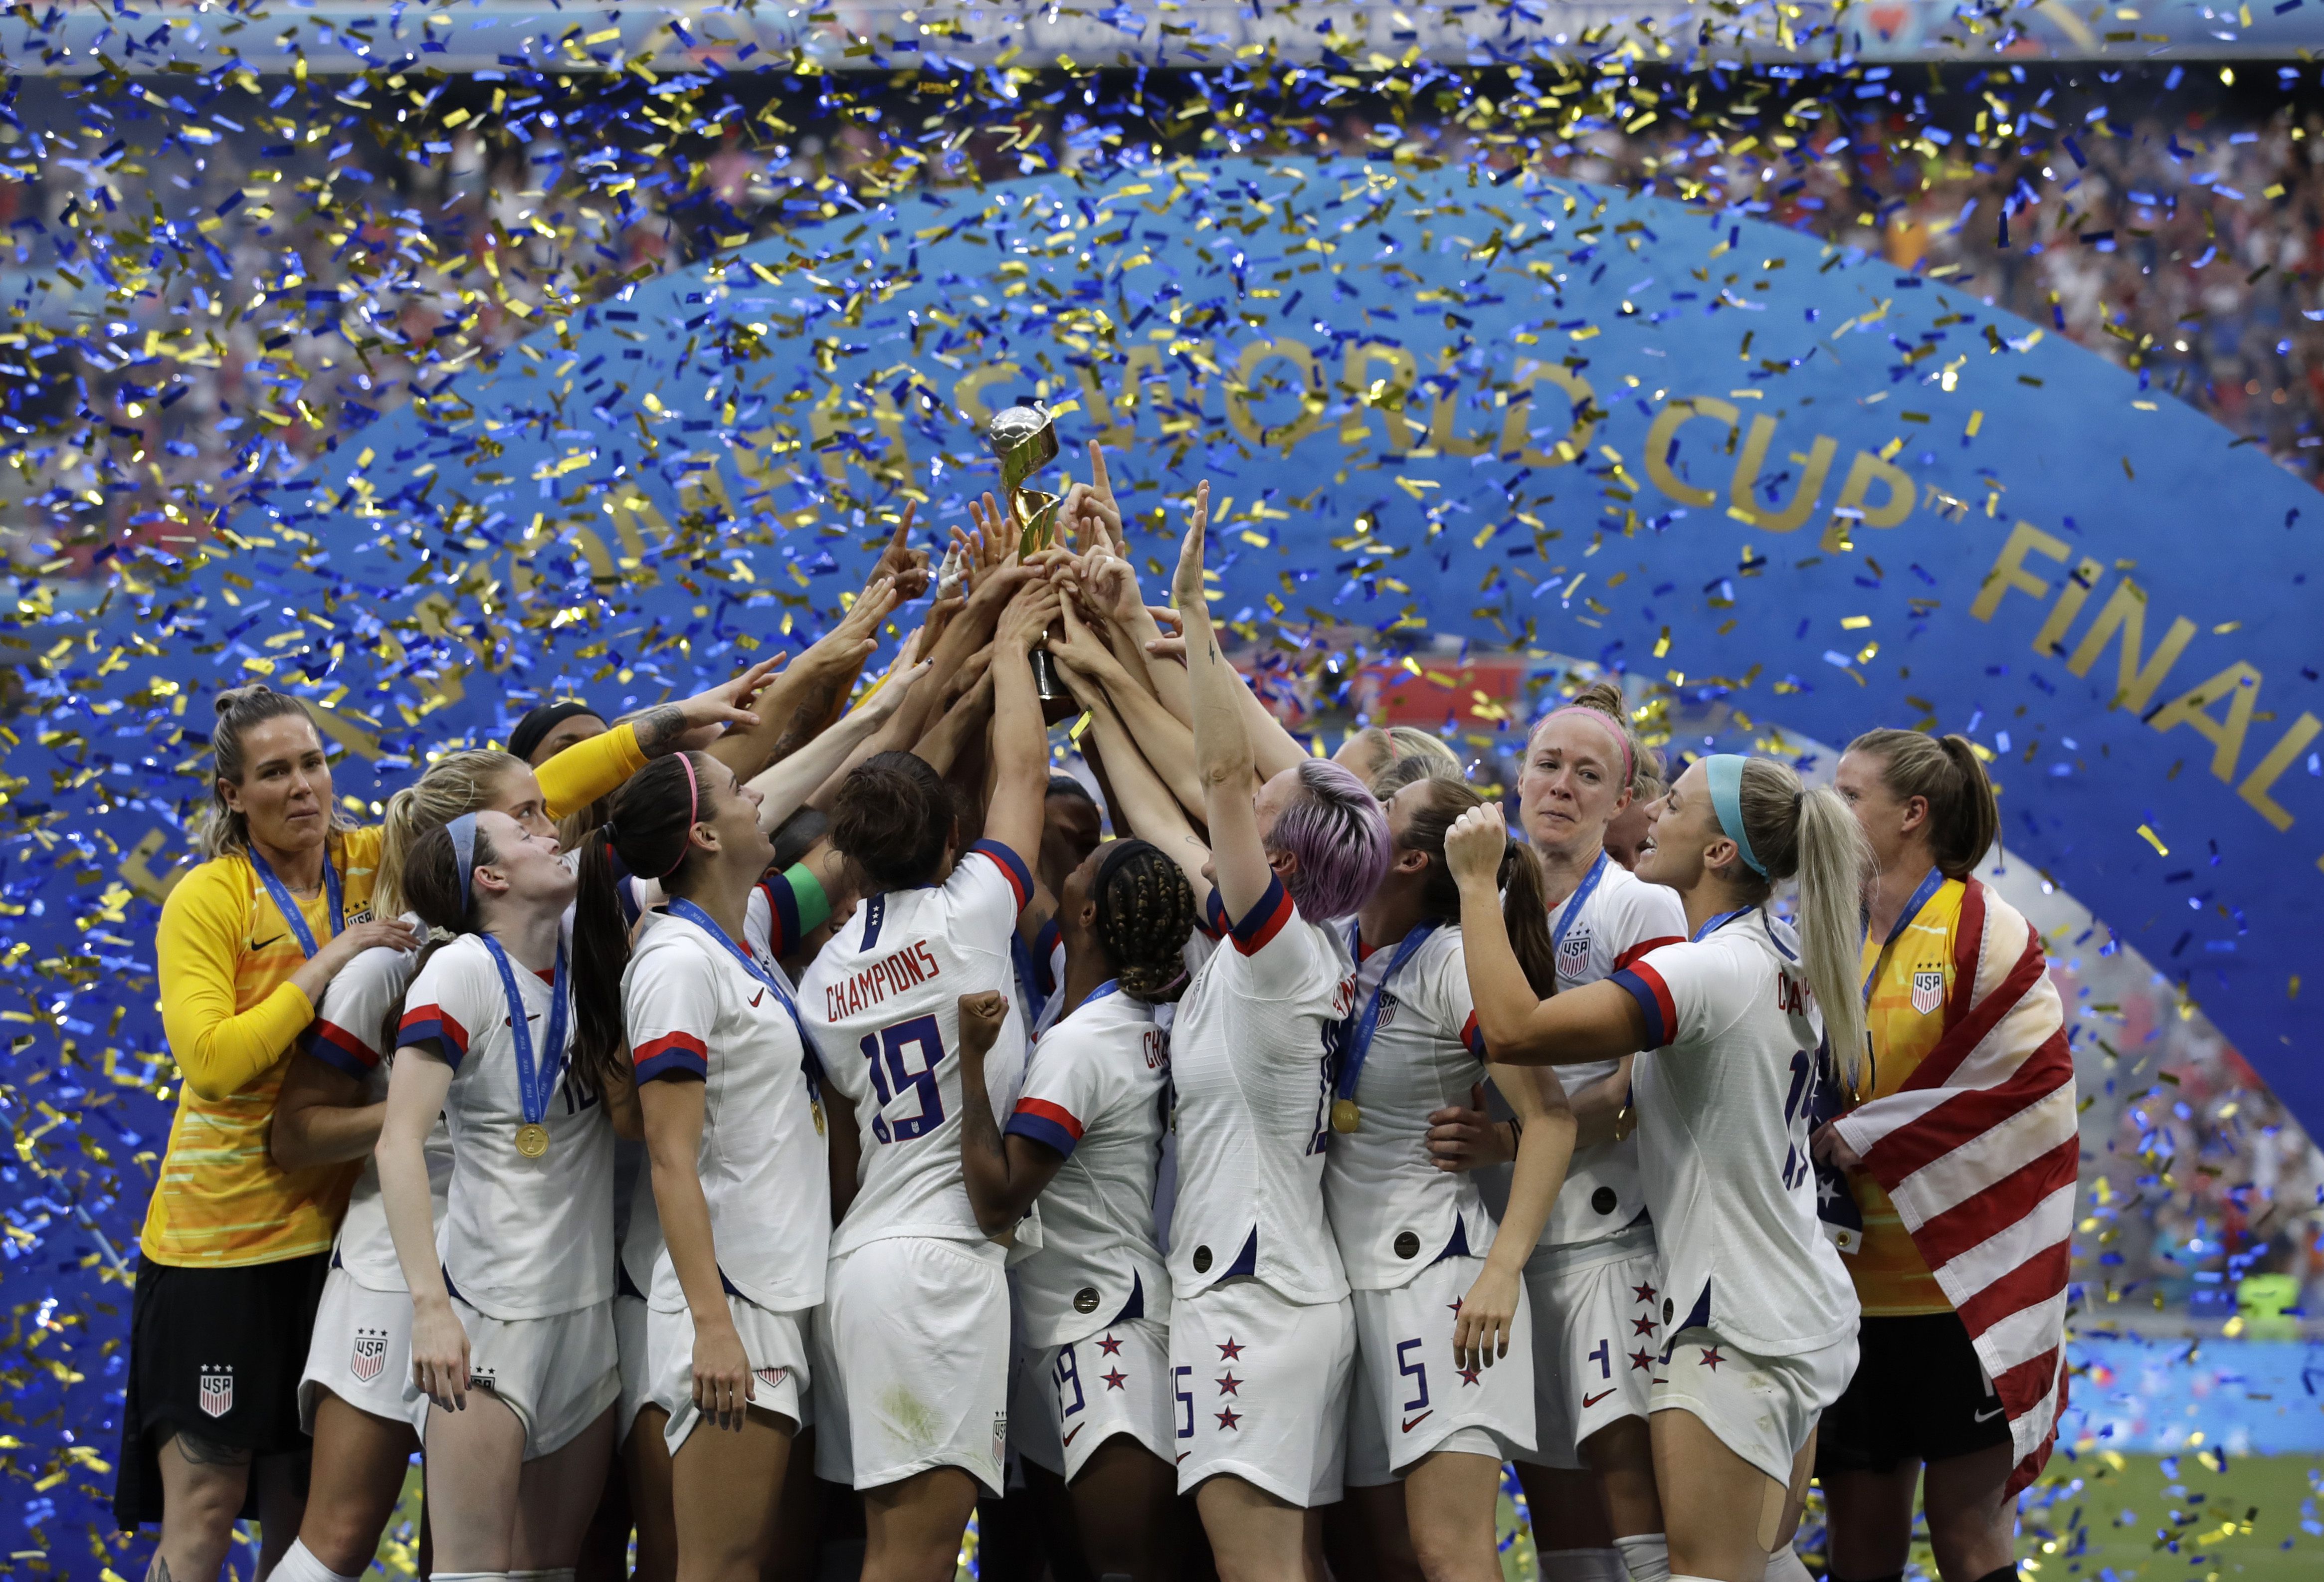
(1598, 1021)
(786, 787)
(1140, 801)
(1003, 1174)
(1222, 757)
(799, 703)
(1019, 741)
(1167, 745)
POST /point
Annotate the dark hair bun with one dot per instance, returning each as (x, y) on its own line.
(892, 818)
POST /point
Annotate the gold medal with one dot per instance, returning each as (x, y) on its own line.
(532, 1140)
(1345, 1115)
(816, 1106)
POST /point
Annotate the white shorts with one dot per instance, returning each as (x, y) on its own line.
(1114, 1382)
(630, 1322)
(559, 1374)
(362, 1353)
(774, 1342)
(1260, 1387)
(1761, 1408)
(1411, 1398)
(1597, 1330)
(913, 1347)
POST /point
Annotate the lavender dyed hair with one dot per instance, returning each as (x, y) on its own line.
(1338, 832)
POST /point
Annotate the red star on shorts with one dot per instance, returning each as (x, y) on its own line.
(1230, 1385)
(1643, 1359)
(1645, 1325)
(1468, 1376)
(1643, 1293)
(1115, 1378)
(1231, 1350)
(1110, 1346)
(1455, 1305)
(1710, 1358)
(1228, 1420)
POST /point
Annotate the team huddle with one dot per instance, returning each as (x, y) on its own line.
(657, 1124)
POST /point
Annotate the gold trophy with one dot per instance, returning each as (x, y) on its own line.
(1025, 439)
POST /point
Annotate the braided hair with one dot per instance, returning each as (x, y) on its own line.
(1145, 912)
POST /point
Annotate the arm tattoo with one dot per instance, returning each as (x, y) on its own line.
(806, 722)
(658, 727)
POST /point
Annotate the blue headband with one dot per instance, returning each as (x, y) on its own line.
(463, 831)
(1724, 772)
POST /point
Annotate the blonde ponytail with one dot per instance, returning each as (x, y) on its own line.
(1811, 835)
(456, 783)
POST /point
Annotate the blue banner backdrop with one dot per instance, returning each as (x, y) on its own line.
(1696, 447)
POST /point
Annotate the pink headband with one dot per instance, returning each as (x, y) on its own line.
(693, 809)
(1621, 737)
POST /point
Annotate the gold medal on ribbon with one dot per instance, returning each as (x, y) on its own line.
(532, 1140)
(1345, 1115)
(816, 1105)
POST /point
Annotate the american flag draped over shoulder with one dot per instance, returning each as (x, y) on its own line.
(1980, 1153)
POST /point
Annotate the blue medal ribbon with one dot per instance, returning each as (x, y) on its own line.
(1904, 919)
(1580, 898)
(1713, 925)
(535, 1081)
(1356, 1032)
(288, 905)
(809, 1064)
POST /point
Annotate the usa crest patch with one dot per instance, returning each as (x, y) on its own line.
(217, 1398)
(369, 1355)
(1928, 989)
(1573, 954)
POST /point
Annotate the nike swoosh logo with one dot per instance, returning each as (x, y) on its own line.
(1182, 1456)
(1990, 1415)
(756, 998)
(1589, 1401)
(1411, 1423)
(1077, 1428)
(262, 944)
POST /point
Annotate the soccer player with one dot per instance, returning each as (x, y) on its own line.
(236, 1248)
(513, 1328)
(729, 1090)
(1262, 1336)
(1445, 1359)
(1757, 1318)
(1086, 1135)
(1595, 1278)
(1921, 1408)
(913, 1343)
(353, 1396)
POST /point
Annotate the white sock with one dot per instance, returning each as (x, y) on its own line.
(1647, 1556)
(1784, 1565)
(1583, 1564)
(300, 1565)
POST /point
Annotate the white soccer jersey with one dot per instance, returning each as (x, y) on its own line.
(883, 1002)
(1621, 918)
(694, 1012)
(1393, 1212)
(521, 1238)
(1251, 1056)
(1097, 1090)
(1723, 1092)
(349, 1024)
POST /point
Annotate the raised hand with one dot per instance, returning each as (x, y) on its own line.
(904, 566)
(1186, 583)
(1474, 846)
(980, 1016)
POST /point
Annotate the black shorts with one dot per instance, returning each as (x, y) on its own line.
(215, 1354)
(1919, 1395)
